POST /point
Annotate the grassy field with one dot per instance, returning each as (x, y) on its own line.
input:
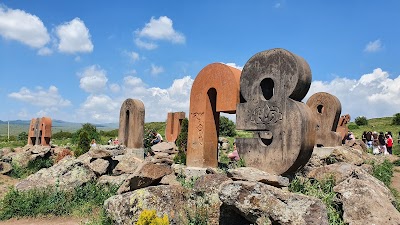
(377, 124)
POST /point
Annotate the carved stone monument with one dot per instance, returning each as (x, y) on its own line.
(215, 90)
(342, 128)
(174, 121)
(131, 124)
(326, 109)
(40, 131)
(272, 84)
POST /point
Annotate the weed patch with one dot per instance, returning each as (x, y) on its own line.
(33, 167)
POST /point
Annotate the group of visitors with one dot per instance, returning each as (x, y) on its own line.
(381, 143)
(113, 142)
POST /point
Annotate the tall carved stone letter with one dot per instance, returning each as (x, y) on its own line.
(174, 121)
(342, 128)
(272, 85)
(131, 123)
(215, 90)
(40, 131)
(326, 109)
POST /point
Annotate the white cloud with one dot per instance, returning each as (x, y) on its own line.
(372, 95)
(145, 44)
(234, 66)
(155, 70)
(93, 79)
(115, 88)
(45, 51)
(21, 26)
(74, 37)
(40, 97)
(373, 46)
(100, 108)
(158, 29)
(133, 56)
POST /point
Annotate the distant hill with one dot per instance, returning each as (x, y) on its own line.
(376, 124)
(18, 126)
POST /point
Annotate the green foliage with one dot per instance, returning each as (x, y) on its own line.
(90, 130)
(149, 217)
(53, 201)
(198, 213)
(180, 158)
(101, 219)
(226, 127)
(322, 190)
(158, 127)
(377, 124)
(396, 119)
(383, 172)
(185, 182)
(83, 143)
(181, 140)
(23, 136)
(33, 167)
(61, 135)
(361, 120)
(353, 126)
(110, 133)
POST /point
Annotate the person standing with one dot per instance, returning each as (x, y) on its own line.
(389, 142)
(382, 143)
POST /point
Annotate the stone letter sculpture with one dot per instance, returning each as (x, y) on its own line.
(215, 90)
(174, 121)
(342, 128)
(40, 131)
(272, 85)
(326, 109)
(131, 124)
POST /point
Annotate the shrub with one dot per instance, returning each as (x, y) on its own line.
(83, 143)
(226, 127)
(181, 140)
(111, 133)
(353, 126)
(61, 135)
(361, 120)
(23, 136)
(396, 119)
(33, 167)
(383, 172)
(149, 217)
(322, 190)
(90, 130)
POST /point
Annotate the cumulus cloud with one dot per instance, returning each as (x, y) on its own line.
(74, 37)
(133, 56)
(93, 79)
(40, 97)
(234, 65)
(21, 26)
(45, 51)
(158, 29)
(372, 95)
(115, 88)
(373, 46)
(155, 70)
(100, 108)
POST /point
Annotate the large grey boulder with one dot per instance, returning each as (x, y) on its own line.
(170, 200)
(5, 167)
(366, 200)
(338, 171)
(256, 175)
(147, 174)
(99, 166)
(259, 203)
(67, 174)
(127, 163)
(112, 180)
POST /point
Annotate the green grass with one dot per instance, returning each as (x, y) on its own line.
(378, 124)
(322, 190)
(82, 200)
(33, 167)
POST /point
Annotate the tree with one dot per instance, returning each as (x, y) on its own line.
(23, 136)
(361, 120)
(90, 130)
(396, 119)
(226, 127)
(181, 140)
(83, 143)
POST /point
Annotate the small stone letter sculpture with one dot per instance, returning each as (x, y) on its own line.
(272, 85)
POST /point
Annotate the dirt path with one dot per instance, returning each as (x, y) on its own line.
(5, 183)
(396, 178)
(45, 221)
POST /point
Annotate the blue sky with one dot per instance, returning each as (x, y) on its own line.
(78, 61)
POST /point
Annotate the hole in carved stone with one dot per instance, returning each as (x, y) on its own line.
(320, 108)
(125, 141)
(266, 137)
(320, 145)
(267, 88)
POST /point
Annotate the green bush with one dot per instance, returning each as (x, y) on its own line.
(111, 133)
(23, 136)
(83, 143)
(383, 172)
(396, 119)
(353, 126)
(90, 130)
(361, 120)
(226, 127)
(55, 202)
(61, 135)
(33, 167)
(181, 140)
(322, 190)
